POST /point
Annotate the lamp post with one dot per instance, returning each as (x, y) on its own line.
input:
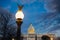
(19, 17)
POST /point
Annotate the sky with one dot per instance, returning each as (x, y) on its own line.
(42, 14)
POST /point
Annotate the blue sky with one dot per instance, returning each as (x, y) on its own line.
(42, 14)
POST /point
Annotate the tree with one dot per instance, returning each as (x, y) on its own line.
(7, 25)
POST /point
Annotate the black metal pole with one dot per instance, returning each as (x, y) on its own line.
(35, 37)
(19, 22)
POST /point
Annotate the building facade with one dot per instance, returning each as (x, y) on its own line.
(32, 36)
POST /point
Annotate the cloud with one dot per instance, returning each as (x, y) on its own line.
(48, 22)
(56, 32)
(14, 0)
(26, 1)
(7, 7)
(51, 5)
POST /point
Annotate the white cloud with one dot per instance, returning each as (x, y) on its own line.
(50, 6)
(8, 7)
(57, 32)
(14, 0)
(26, 1)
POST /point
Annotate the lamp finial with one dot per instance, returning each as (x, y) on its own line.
(20, 7)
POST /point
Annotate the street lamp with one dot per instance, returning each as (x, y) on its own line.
(19, 17)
